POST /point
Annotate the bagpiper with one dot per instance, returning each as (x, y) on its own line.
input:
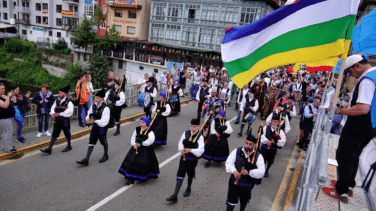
(191, 146)
(61, 111)
(161, 128)
(98, 116)
(217, 149)
(246, 166)
(115, 99)
(248, 108)
(152, 90)
(140, 162)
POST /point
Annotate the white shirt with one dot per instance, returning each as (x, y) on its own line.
(180, 92)
(267, 81)
(229, 129)
(166, 113)
(214, 83)
(147, 142)
(257, 173)
(293, 112)
(366, 88)
(67, 113)
(244, 102)
(90, 86)
(118, 102)
(163, 79)
(307, 112)
(196, 78)
(154, 94)
(280, 143)
(142, 87)
(103, 122)
(198, 93)
(287, 121)
(245, 91)
(297, 87)
(197, 152)
(224, 93)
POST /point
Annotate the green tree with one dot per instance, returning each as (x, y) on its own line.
(99, 66)
(99, 17)
(109, 41)
(84, 34)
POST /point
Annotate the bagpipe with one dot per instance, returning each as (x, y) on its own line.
(249, 165)
(93, 116)
(143, 135)
(200, 131)
(276, 136)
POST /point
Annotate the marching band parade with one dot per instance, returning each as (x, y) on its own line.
(249, 85)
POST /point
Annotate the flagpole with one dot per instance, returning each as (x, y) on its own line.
(339, 80)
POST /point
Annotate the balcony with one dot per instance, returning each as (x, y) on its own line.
(22, 21)
(67, 27)
(7, 35)
(66, 13)
(124, 4)
(72, 1)
(21, 9)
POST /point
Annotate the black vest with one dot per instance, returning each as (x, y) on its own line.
(227, 90)
(358, 124)
(61, 106)
(285, 106)
(151, 90)
(249, 104)
(97, 112)
(8, 112)
(283, 116)
(217, 125)
(269, 135)
(175, 90)
(190, 144)
(306, 119)
(203, 93)
(241, 95)
(239, 163)
(159, 107)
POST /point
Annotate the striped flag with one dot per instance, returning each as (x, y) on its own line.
(304, 32)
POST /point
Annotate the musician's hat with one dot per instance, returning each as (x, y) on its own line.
(151, 79)
(195, 122)
(275, 117)
(65, 89)
(146, 120)
(101, 93)
(162, 94)
(222, 113)
(252, 138)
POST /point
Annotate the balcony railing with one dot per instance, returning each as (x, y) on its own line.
(22, 21)
(7, 35)
(66, 13)
(21, 9)
(72, 1)
(68, 27)
(118, 54)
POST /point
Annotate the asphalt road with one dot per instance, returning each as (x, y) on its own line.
(55, 182)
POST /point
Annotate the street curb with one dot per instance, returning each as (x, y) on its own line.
(8, 155)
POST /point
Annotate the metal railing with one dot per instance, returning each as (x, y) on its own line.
(131, 98)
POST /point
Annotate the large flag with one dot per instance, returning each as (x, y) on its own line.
(304, 32)
(364, 36)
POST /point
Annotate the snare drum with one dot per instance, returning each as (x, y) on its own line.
(144, 99)
(251, 118)
(173, 98)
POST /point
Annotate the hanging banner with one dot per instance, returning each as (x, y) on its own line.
(65, 12)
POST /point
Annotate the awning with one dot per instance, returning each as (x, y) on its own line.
(4, 26)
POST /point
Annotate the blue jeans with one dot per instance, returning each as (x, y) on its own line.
(82, 110)
(46, 122)
(20, 125)
(193, 90)
(90, 101)
(239, 115)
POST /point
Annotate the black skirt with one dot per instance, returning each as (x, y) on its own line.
(140, 166)
(215, 150)
(175, 103)
(160, 131)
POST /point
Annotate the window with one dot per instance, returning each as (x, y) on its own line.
(118, 28)
(45, 6)
(159, 11)
(156, 70)
(31, 32)
(120, 64)
(118, 13)
(175, 12)
(78, 56)
(157, 32)
(58, 34)
(189, 36)
(5, 16)
(50, 33)
(76, 8)
(84, 59)
(14, 4)
(173, 32)
(58, 8)
(14, 16)
(38, 19)
(103, 25)
(5, 5)
(132, 14)
(58, 22)
(131, 30)
(141, 68)
(249, 15)
(38, 7)
(24, 32)
(45, 20)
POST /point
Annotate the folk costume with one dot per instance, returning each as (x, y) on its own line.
(225, 96)
(100, 113)
(243, 189)
(153, 93)
(259, 89)
(188, 161)
(239, 100)
(217, 149)
(271, 98)
(286, 127)
(116, 106)
(269, 134)
(65, 108)
(174, 99)
(249, 107)
(201, 96)
(212, 104)
(143, 165)
(160, 130)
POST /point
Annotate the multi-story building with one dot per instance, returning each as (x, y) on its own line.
(200, 24)
(45, 19)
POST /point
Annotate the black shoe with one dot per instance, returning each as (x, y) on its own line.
(68, 148)
(48, 151)
(247, 132)
(103, 159)
(240, 134)
(129, 182)
(236, 123)
(207, 164)
(84, 162)
(266, 174)
(172, 198)
(116, 133)
(187, 192)
(81, 125)
(13, 150)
